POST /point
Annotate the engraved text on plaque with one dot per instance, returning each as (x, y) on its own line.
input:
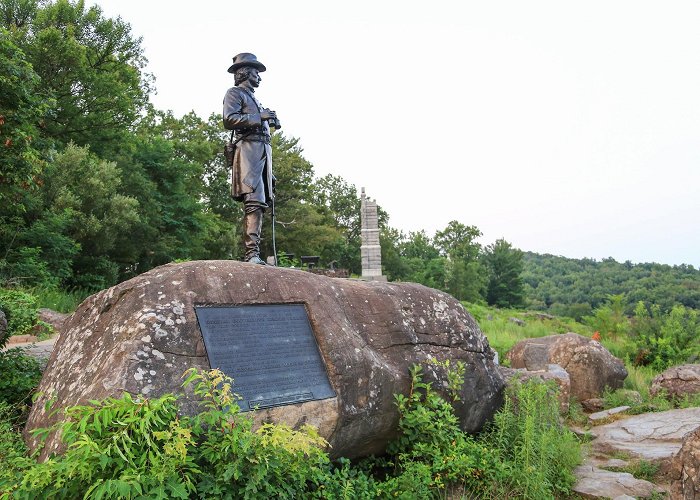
(269, 350)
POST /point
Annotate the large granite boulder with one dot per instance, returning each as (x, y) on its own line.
(590, 366)
(141, 335)
(677, 381)
(686, 469)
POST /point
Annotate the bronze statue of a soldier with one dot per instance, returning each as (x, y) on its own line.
(252, 179)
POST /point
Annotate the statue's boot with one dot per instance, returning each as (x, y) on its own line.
(252, 226)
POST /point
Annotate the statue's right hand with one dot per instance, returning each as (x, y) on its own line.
(268, 114)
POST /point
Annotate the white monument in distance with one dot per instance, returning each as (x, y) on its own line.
(370, 251)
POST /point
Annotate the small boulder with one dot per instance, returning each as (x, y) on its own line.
(685, 470)
(54, 318)
(590, 366)
(593, 405)
(594, 482)
(602, 416)
(517, 321)
(536, 357)
(677, 381)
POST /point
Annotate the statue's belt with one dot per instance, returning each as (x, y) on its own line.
(255, 137)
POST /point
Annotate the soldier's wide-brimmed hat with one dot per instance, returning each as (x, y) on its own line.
(246, 59)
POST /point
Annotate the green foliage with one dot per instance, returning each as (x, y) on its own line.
(13, 453)
(526, 452)
(505, 267)
(21, 108)
(20, 310)
(272, 462)
(92, 66)
(609, 318)
(503, 333)
(540, 452)
(140, 448)
(641, 469)
(65, 301)
(118, 448)
(20, 377)
(664, 340)
(552, 281)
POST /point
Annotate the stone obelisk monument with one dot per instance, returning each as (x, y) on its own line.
(370, 250)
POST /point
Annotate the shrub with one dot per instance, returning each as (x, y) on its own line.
(118, 447)
(235, 462)
(664, 340)
(138, 447)
(20, 376)
(13, 453)
(20, 310)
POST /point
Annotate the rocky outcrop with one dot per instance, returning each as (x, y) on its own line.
(141, 335)
(54, 318)
(677, 381)
(685, 471)
(590, 366)
(655, 437)
(594, 482)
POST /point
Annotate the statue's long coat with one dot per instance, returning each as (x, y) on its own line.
(252, 159)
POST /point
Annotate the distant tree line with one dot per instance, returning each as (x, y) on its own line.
(575, 287)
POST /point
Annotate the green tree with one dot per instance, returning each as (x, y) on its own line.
(91, 65)
(505, 267)
(458, 241)
(610, 317)
(465, 276)
(86, 191)
(419, 245)
(21, 110)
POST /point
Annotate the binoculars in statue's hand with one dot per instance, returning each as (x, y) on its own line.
(274, 123)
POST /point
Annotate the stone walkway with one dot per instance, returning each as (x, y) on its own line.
(653, 437)
(40, 350)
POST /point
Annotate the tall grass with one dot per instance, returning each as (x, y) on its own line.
(65, 301)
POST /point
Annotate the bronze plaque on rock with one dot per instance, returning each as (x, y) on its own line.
(269, 350)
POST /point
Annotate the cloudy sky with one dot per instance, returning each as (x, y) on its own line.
(570, 128)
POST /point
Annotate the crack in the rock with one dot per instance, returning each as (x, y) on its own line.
(434, 344)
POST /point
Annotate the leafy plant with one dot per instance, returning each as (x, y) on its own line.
(663, 340)
(272, 462)
(20, 376)
(20, 309)
(123, 447)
